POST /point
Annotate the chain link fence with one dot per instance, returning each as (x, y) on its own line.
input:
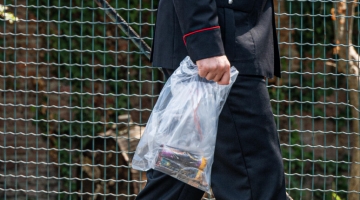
(76, 93)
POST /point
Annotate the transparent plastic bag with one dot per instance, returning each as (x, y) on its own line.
(179, 138)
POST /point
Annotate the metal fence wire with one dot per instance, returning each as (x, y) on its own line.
(76, 93)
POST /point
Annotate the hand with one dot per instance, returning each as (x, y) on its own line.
(215, 68)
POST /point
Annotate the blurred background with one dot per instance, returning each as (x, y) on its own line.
(76, 93)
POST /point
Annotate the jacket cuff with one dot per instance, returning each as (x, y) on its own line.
(204, 43)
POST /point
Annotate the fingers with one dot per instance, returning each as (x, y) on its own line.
(225, 79)
(203, 71)
(221, 74)
(211, 75)
(218, 77)
(216, 69)
(207, 68)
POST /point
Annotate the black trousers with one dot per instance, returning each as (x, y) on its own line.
(247, 162)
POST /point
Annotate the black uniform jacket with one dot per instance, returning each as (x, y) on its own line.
(243, 30)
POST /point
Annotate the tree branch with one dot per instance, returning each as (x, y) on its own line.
(349, 65)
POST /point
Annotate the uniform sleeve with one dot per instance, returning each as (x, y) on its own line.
(200, 28)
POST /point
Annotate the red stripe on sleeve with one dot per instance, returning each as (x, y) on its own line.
(198, 31)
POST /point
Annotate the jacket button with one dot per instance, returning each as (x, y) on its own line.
(230, 1)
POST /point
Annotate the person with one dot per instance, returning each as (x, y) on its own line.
(217, 34)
